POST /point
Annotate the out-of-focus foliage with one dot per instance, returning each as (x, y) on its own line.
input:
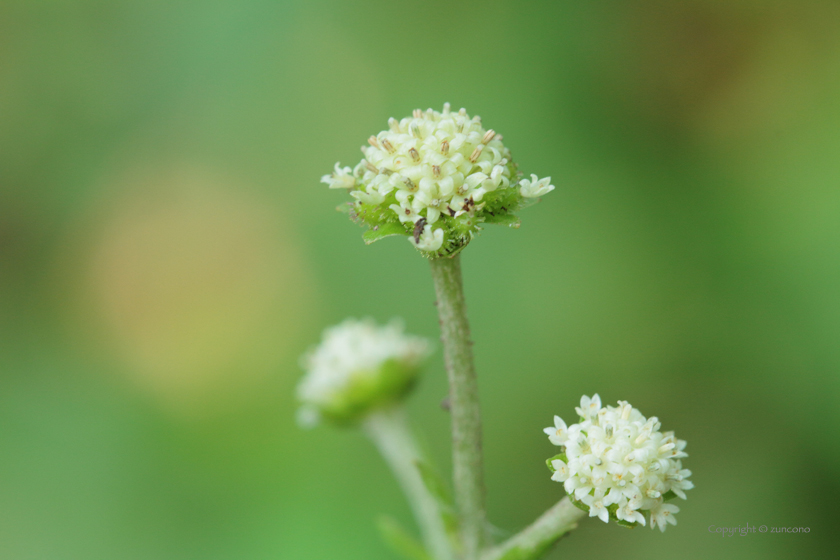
(167, 252)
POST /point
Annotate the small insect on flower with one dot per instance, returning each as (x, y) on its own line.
(418, 229)
(615, 463)
(440, 167)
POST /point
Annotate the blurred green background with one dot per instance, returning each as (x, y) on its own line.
(167, 253)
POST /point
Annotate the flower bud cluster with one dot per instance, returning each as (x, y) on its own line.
(616, 463)
(436, 177)
(357, 367)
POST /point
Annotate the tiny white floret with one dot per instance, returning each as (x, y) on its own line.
(597, 506)
(561, 471)
(662, 514)
(559, 433)
(536, 187)
(428, 240)
(341, 178)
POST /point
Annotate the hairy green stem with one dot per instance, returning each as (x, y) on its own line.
(389, 430)
(467, 462)
(533, 541)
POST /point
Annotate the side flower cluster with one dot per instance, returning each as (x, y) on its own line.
(617, 464)
(358, 366)
(435, 177)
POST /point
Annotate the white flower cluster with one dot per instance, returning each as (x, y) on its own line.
(436, 163)
(617, 457)
(345, 374)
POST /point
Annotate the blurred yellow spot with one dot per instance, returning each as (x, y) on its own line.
(199, 285)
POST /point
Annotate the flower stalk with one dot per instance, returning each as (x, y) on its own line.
(535, 540)
(467, 461)
(388, 429)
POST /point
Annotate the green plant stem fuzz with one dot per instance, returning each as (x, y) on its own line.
(467, 462)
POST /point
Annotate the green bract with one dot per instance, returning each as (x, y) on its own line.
(366, 390)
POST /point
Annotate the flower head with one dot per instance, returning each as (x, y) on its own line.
(357, 367)
(438, 169)
(617, 464)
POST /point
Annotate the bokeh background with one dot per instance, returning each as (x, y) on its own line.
(167, 252)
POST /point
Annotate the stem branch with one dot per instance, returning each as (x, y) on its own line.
(538, 537)
(389, 430)
(468, 470)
